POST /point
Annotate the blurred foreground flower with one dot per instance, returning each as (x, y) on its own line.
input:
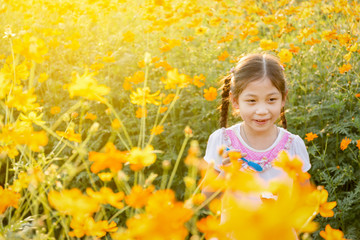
(8, 198)
(140, 158)
(87, 87)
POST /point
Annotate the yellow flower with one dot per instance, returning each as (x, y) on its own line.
(285, 55)
(21, 182)
(223, 56)
(344, 143)
(310, 136)
(157, 130)
(31, 47)
(128, 36)
(210, 94)
(105, 176)
(140, 158)
(5, 86)
(201, 30)
(23, 101)
(142, 96)
(43, 77)
(70, 135)
(32, 118)
(86, 86)
(21, 72)
(138, 77)
(115, 124)
(332, 234)
(73, 202)
(164, 64)
(292, 166)
(268, 44)
(174, 80)
(318, 198)
(107, 196)
(88, 226)
(170, 44)
(97, 66)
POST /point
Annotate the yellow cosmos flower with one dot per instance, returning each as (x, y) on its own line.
(31, 47)
(268, 44)
(345, 68)
(174, 80)
(128, 36)
(138, 77)
(23, 101)
(292, 166)
(21, 72)
(90, 116)
(142, 96)
(43, 77)
(210, 94)
(86, 86)
(285, 55)
(107, 196)
(5, 86)
(87, 226)
(73, 202)
(140, 158)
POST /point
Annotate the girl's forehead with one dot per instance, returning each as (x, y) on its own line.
(260, 87)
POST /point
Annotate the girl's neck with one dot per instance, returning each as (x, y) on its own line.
(259, 140)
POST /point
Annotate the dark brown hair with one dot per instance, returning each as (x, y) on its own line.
(251, 68)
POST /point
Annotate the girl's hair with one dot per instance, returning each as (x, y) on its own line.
(251, 68)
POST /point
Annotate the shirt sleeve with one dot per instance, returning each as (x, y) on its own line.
(298, 148)
(212, 149)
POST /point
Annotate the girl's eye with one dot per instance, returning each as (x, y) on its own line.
(272, 99)
(250, 100)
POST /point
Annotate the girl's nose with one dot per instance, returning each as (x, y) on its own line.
(261, 110)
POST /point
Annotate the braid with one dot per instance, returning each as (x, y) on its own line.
(225, 100)
(283, 118)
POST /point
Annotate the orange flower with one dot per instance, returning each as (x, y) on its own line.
(223, 56)
(332, 234)
(169, 98)
(139, 196)
(292, 166)
(157, 130)
(358, 144)
(344, 143)
(8, 198)
(199, 80)
(174, 79)
(319, 198)
(107, 196)
(311, 136)
(70, 135)
(90, 116)
(293, 48)
(88, 226)
(139, 113)
(345, 68)
(209, 226)
(210, 94)
(357, 95)
(111, 158)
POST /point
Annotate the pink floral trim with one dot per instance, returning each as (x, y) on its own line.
(263, 158)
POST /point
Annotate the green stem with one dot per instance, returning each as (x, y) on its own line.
(208, 200)
(177, 161)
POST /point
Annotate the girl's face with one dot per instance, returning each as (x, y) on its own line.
(259, 105)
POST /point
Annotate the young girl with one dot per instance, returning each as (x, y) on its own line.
(256, 88)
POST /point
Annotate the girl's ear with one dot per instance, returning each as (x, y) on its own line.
(234, 101)
(284, 99)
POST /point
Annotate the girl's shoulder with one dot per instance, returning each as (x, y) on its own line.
(220, 136)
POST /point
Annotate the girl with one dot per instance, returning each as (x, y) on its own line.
(256, 88)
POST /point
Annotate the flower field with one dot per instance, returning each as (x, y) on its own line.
(107, 105)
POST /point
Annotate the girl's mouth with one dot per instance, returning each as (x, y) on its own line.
(261, 121)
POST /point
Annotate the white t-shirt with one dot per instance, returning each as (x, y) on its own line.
(217, 140)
